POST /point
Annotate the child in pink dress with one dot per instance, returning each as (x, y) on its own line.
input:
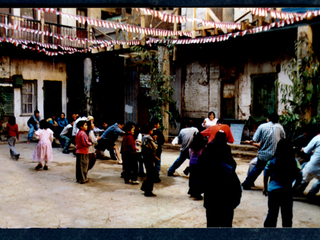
(43, 150)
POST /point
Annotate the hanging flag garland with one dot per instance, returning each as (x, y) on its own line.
(224, 37)
(115, 25)
(180, 19)
(263, 12)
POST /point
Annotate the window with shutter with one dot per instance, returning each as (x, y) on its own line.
(8, 105)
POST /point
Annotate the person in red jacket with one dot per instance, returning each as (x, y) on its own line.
(82, 152)
(13, 134)
(211, 131)
(129, 155)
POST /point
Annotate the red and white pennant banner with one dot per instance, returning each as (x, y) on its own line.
(180, 19)
(115, 25)
(24, 43)
(224, 37)
(263, 12)
(67, 37)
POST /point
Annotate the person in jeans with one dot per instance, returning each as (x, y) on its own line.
(66, 136)
(266, 137)
(282, 171)
(33, 123)
(185, 138)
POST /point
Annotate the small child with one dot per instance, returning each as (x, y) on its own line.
(149, 157)
(195, 150)
(282, 170)
(13, 134)
(82, 152)
(43, 150)
(129, 155)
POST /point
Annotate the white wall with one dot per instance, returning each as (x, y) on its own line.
(69, 21)
(40, 71)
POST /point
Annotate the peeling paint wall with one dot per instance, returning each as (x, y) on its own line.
(196, 90)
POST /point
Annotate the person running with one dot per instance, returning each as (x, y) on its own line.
(13, 135)
(185, 137)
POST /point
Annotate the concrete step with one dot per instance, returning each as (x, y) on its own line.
(246, 152)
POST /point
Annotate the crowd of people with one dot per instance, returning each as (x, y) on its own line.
(211, 170)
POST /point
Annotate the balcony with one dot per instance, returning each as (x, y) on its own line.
(26, 25)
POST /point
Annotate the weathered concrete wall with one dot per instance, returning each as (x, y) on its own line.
(188, 12)
(196, 90)
(39, 70)
(215, 89)
(257, 67)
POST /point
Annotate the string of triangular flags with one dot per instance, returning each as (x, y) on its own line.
(116, 25)
(67, 37)
(225, 37)
(181, 19)
(41, 47)
(263, 12)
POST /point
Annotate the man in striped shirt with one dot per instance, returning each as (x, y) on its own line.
(266, 137)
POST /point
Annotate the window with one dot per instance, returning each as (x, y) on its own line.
(264, 95)
(28, 97)
(27, 13)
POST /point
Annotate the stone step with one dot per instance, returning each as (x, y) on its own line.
(246, 152)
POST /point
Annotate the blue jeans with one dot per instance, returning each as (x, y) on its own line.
(182, 157)
(31, 131)
(277, 199)
(255, 172)
(67, 142)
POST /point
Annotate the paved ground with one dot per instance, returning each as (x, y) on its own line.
(53, 199)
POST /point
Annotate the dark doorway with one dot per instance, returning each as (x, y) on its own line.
(228, 99)
(52, 94)
(130, 87)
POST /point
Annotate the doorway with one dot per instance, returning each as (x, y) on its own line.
(52, 95)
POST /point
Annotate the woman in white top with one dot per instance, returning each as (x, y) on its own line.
(210, 120)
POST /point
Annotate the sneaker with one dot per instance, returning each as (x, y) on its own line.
(149, 194)
(127, 182)
(17, 156)
(66, 152)
(45, 167)
(39, 166)
(135, 182)
(170, 174)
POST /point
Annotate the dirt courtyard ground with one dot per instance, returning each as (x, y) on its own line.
(53, 199)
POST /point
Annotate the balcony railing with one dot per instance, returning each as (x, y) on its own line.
(53, 28)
